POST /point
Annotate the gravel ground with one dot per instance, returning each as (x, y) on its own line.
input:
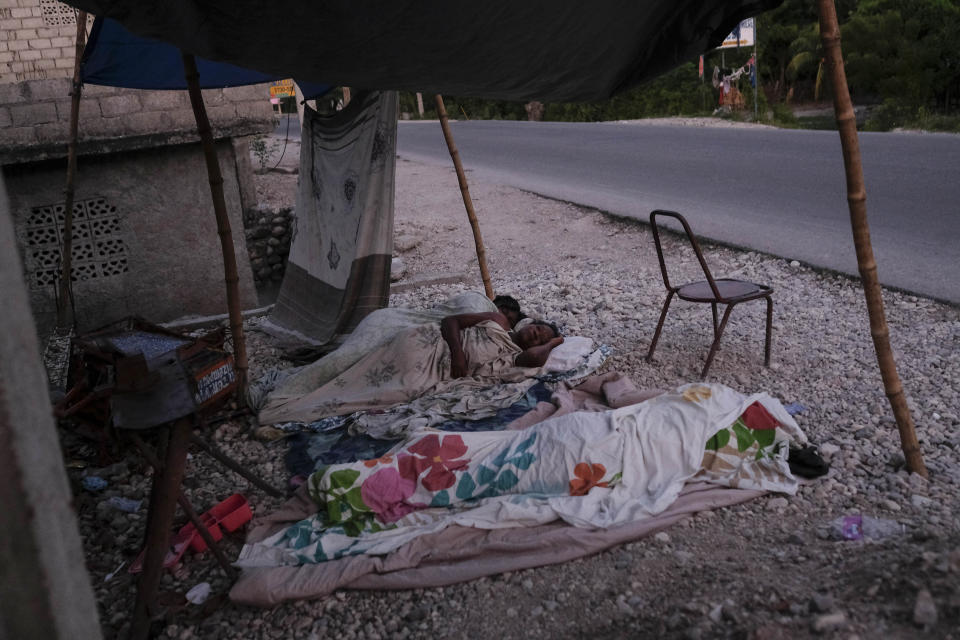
(766, 569)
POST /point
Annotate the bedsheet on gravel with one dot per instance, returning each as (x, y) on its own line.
(457, 553)
(589, 469)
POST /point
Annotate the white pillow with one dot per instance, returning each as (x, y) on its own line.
(569, 355)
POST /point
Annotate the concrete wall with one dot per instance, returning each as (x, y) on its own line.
(45, 589)
(145, 240)
(35, 118)
(37, 50)
(37, 40)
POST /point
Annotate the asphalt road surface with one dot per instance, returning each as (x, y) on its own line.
(773, 190)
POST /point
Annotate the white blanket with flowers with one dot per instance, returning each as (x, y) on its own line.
(590, 469)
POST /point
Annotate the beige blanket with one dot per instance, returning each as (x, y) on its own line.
(414, 362)
(457, 553)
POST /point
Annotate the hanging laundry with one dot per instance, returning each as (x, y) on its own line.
(339, 265)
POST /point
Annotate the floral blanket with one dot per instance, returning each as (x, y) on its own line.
(589, 469)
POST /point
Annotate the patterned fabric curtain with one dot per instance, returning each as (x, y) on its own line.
(339, 265)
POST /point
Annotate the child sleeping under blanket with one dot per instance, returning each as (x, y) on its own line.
(590, 469)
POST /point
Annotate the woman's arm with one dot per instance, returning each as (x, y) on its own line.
(537, 356)
(450, 328)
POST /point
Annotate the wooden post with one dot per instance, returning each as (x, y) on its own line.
(857, 201)
(65, 299)
(420, 104)
(223, 224)
(188, 509)
(465, 192)
(163, 507)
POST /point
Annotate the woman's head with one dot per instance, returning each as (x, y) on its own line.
(535, 334)
(510, 308)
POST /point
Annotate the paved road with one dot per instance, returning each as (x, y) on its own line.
(777, 191)
(288, 124)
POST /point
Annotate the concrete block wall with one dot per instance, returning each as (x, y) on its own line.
(37, 51)
(145, 236)
(35, 118)
(138, 158)
(37, 40)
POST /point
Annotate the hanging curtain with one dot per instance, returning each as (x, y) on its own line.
(339, 265)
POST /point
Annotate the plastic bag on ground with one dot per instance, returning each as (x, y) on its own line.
(857, 527)
(199, 593)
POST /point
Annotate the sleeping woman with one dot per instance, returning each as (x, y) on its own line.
(374, 331)
(424, 359)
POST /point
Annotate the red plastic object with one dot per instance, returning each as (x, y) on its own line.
(231, 514)
(197, 543)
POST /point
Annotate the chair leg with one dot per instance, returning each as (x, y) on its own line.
(766, 348)
(656, 334)
(713, 307)
(716, 340)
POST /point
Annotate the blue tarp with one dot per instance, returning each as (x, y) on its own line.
(117, 58)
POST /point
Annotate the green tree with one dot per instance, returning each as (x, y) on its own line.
(904, 52)
(901, 54)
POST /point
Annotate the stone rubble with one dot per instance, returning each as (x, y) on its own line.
(768, 568)
(268, 235)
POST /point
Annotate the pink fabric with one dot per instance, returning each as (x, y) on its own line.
(386, 493)
(456, 554)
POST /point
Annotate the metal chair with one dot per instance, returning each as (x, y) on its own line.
(727, 291)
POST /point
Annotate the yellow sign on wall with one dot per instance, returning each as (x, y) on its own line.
(282, 89)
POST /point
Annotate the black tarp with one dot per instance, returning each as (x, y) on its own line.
(546, 50)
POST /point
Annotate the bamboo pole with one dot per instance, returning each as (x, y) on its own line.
(223, 224)
(65, 300)
(857, 201)
(465, 192)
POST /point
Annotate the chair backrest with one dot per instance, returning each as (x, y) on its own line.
(693, 243)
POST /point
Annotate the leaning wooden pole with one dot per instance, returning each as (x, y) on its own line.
(857, 200)
(223, 223)
(65, 299)
(465, 192)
